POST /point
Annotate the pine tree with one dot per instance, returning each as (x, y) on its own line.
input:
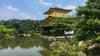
(90, 10)
(89, 26)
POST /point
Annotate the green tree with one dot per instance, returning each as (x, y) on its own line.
(5, 32)
(26, 26)
(61, 24)
(90, 10)
(88, 26)
(67, 49)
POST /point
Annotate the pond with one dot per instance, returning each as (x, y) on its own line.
(24, 46)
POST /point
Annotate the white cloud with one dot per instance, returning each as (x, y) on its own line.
(12, 8)
(70, 7)
(59, 5)
(24, 15)
(44, 3)
(10, 12)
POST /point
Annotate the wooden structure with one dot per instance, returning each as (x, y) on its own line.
(53, 13)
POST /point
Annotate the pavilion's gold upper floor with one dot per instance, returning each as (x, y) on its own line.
(54, 13)
(57, 12)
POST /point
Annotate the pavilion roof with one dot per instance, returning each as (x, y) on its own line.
(57, 9)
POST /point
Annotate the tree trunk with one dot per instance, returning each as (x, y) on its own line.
(66, 38)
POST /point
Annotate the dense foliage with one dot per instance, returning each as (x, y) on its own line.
(67, 49)
(20, 26)
(6, 32)
(90, 10)
(62, 24)
(89, 25)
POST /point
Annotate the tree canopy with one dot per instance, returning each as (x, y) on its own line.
(90, 10)
(5, 32)
(62, 24)
(21, 26)
(89, 25)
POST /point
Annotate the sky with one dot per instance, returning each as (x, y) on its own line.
(34, 9)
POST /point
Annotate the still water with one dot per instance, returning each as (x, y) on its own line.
(24, 46)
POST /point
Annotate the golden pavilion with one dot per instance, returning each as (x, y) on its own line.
(53, 13)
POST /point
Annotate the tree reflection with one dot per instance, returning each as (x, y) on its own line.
(27, 43)
(24, 42)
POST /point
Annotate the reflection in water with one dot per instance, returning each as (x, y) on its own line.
(21, 52)
(26, 46)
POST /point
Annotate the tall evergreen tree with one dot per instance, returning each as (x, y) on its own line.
(90, 10)
(89, 26)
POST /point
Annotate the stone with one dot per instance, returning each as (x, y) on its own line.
(81, 43)
(82, 54)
